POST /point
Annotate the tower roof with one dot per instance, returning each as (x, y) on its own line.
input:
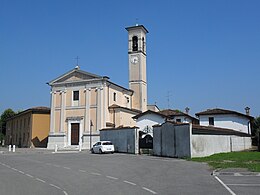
(137, 27)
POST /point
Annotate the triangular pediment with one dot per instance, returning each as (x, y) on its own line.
(74, 76)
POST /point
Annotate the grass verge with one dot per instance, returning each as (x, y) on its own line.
(249, 160)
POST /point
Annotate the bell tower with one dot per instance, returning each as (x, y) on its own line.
(137, 66)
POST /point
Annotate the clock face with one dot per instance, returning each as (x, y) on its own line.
(134, 59)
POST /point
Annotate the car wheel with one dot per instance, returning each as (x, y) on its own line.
(92, 151)
(100, 151)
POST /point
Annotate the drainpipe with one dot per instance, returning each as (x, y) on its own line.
(248, 127)
(114, 117)
(108, 95)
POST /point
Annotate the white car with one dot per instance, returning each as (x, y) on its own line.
(103, 147)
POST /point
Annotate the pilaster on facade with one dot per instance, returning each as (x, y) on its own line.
(102, 105)
(53, 100)
(87, 109)
(99, 107)
(105, 106)
(62, 112)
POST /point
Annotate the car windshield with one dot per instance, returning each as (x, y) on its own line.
(107, 143)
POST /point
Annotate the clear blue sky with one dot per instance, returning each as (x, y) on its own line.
(204, 54)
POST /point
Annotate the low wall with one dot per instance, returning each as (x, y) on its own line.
(124, 139)
(206, 145)
(58, 139)
(187, 140)
(172, 140)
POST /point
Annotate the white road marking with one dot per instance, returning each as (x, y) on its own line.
(29, 175)
(93, 173)
(225, 186)
(82, 171)
(110, 177)
(65, 192)
(48, 164)
(128, 182)
(66, 168)
(149, 190)
(243, 184)
(40, 180)
(56, 165)
(55, 186)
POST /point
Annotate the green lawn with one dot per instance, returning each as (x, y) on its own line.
(249, 160)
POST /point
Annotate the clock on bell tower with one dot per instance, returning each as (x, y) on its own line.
(137, 65)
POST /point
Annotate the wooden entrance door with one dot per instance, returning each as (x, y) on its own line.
(74, 133)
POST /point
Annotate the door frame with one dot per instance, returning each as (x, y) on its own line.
(80, 131)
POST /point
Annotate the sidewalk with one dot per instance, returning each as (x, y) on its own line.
(5, 150)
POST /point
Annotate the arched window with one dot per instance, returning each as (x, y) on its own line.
(135, 43)
(143, 44)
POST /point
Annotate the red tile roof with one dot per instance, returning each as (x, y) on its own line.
(218, 111)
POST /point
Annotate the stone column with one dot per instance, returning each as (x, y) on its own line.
(53, 99)
(87, 110)
(62, 111)
(105, 105)
(102, 110)
(99, 117)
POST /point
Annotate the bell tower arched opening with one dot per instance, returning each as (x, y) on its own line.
(135, 43)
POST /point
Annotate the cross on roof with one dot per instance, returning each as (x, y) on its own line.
(77, 58)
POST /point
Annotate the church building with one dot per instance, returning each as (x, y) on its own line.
(82, 103)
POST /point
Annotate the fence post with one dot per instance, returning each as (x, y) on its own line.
(9, 148)
(230, 143)
(56, 148)
(13, 148)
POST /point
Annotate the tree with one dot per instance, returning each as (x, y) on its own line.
(256, 131)
(5, 115)
(256, 125)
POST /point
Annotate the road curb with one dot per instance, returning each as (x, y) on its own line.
(223, 172)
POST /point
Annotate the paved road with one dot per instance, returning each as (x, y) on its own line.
(84, 173)
(239, 181)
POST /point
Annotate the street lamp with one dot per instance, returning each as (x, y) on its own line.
(90, 133)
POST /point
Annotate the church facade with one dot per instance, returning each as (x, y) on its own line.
(82, 103)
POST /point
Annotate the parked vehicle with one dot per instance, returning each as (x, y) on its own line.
(103, 147)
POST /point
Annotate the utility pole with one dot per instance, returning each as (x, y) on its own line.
(168, 99)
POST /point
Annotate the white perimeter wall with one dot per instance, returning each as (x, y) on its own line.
(227, 121)
(206, 145)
